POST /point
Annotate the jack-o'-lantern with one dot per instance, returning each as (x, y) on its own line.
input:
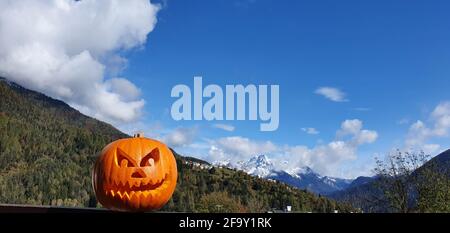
(135, 174)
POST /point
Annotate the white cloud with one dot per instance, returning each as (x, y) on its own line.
(124, 88)
(441, 119)
(420, 135)
(332, 93)
(180, 137)
(431, 149)
(359, 136)
(325, 159)
(311, 131)
(238, 148)
(366, 136)
(225, 127)
(66, 48)
(350, 127)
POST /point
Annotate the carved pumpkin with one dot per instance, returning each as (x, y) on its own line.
(135, 174)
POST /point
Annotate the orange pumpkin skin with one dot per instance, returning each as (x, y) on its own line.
(135, 174)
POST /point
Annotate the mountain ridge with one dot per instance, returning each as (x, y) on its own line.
(301, 177)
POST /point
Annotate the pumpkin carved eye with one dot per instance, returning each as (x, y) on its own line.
(151, 158)
(123, 160)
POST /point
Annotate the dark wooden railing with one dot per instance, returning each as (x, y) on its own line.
(12, 208)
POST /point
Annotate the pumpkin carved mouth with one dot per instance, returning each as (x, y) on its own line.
(129, 189)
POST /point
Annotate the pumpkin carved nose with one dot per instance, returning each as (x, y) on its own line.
(138, 174)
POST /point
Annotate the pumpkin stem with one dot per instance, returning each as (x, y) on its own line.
(138, 135)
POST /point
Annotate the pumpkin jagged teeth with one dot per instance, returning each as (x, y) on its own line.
(149, 195)
(123, 178)
(133, 183)
(112, 193)
(142, 199)
(118, 180)
(144, 194)
(150, 181)
(138, 183)
(123, 182)
(158, 194)
(120, 194)
(135, 199)
(126, 195)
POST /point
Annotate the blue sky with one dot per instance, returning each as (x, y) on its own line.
(389, 59)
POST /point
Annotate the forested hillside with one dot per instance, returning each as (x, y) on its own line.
(400, 186)
(47, 150)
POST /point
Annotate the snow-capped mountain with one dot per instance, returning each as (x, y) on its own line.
(302, 177)
(259, 166)
(301, 170)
